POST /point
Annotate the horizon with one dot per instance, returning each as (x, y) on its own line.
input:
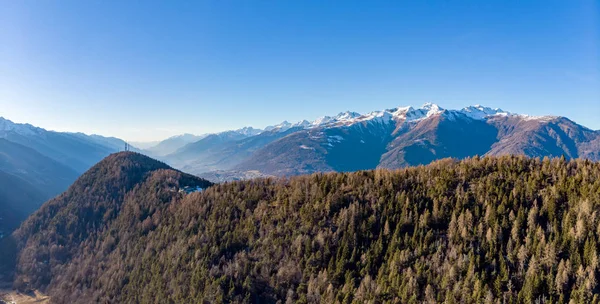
(151, 143)
(154, 70)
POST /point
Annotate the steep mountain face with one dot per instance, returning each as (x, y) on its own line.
(504, 229)
(550, 136)
(424, 141)
(341, 148)
(123, 194)
(397, 138)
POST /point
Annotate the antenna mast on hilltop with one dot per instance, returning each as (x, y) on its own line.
(126, 146)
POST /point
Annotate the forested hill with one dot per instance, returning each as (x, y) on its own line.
(124, 185)
(489, 230)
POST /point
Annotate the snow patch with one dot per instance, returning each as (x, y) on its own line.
(305, 147)
(335, 138)
(547, 118)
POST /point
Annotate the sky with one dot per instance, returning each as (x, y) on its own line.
(147, 70)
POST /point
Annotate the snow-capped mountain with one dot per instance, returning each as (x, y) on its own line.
(247, 131)
(481, 112)
(390, 138)
(7, 126)
(400, 114)
(285, 125)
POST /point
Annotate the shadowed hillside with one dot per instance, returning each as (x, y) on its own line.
(17, 199)
(27, 179)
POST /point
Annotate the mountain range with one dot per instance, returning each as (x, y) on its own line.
(47, 162)
(37, 164)
(75, 150)
(392, 138)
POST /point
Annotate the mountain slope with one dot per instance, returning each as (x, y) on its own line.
(341, 148)
(227, 155)
(172, 144)
(67, 149)
(18, 198)
(48, 176)
(27, 180)
(496, 229)
(553, 136)
(438, 137)
(208, 145)
(125, 189)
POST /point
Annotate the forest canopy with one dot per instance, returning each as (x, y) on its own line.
(483, 230)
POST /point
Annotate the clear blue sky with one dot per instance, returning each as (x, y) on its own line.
(145, 70)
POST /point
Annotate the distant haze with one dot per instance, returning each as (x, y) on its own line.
(144, 144)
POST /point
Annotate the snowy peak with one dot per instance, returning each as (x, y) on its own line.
(480, 112)
(304, 123)
(344, 116)
(286, 125)
(340, 118)
(6, 125)
(319, 122)
(432, 108)
(406, 114)
(23, 129)
(409, 114)
(248, 131)
(426, 111)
